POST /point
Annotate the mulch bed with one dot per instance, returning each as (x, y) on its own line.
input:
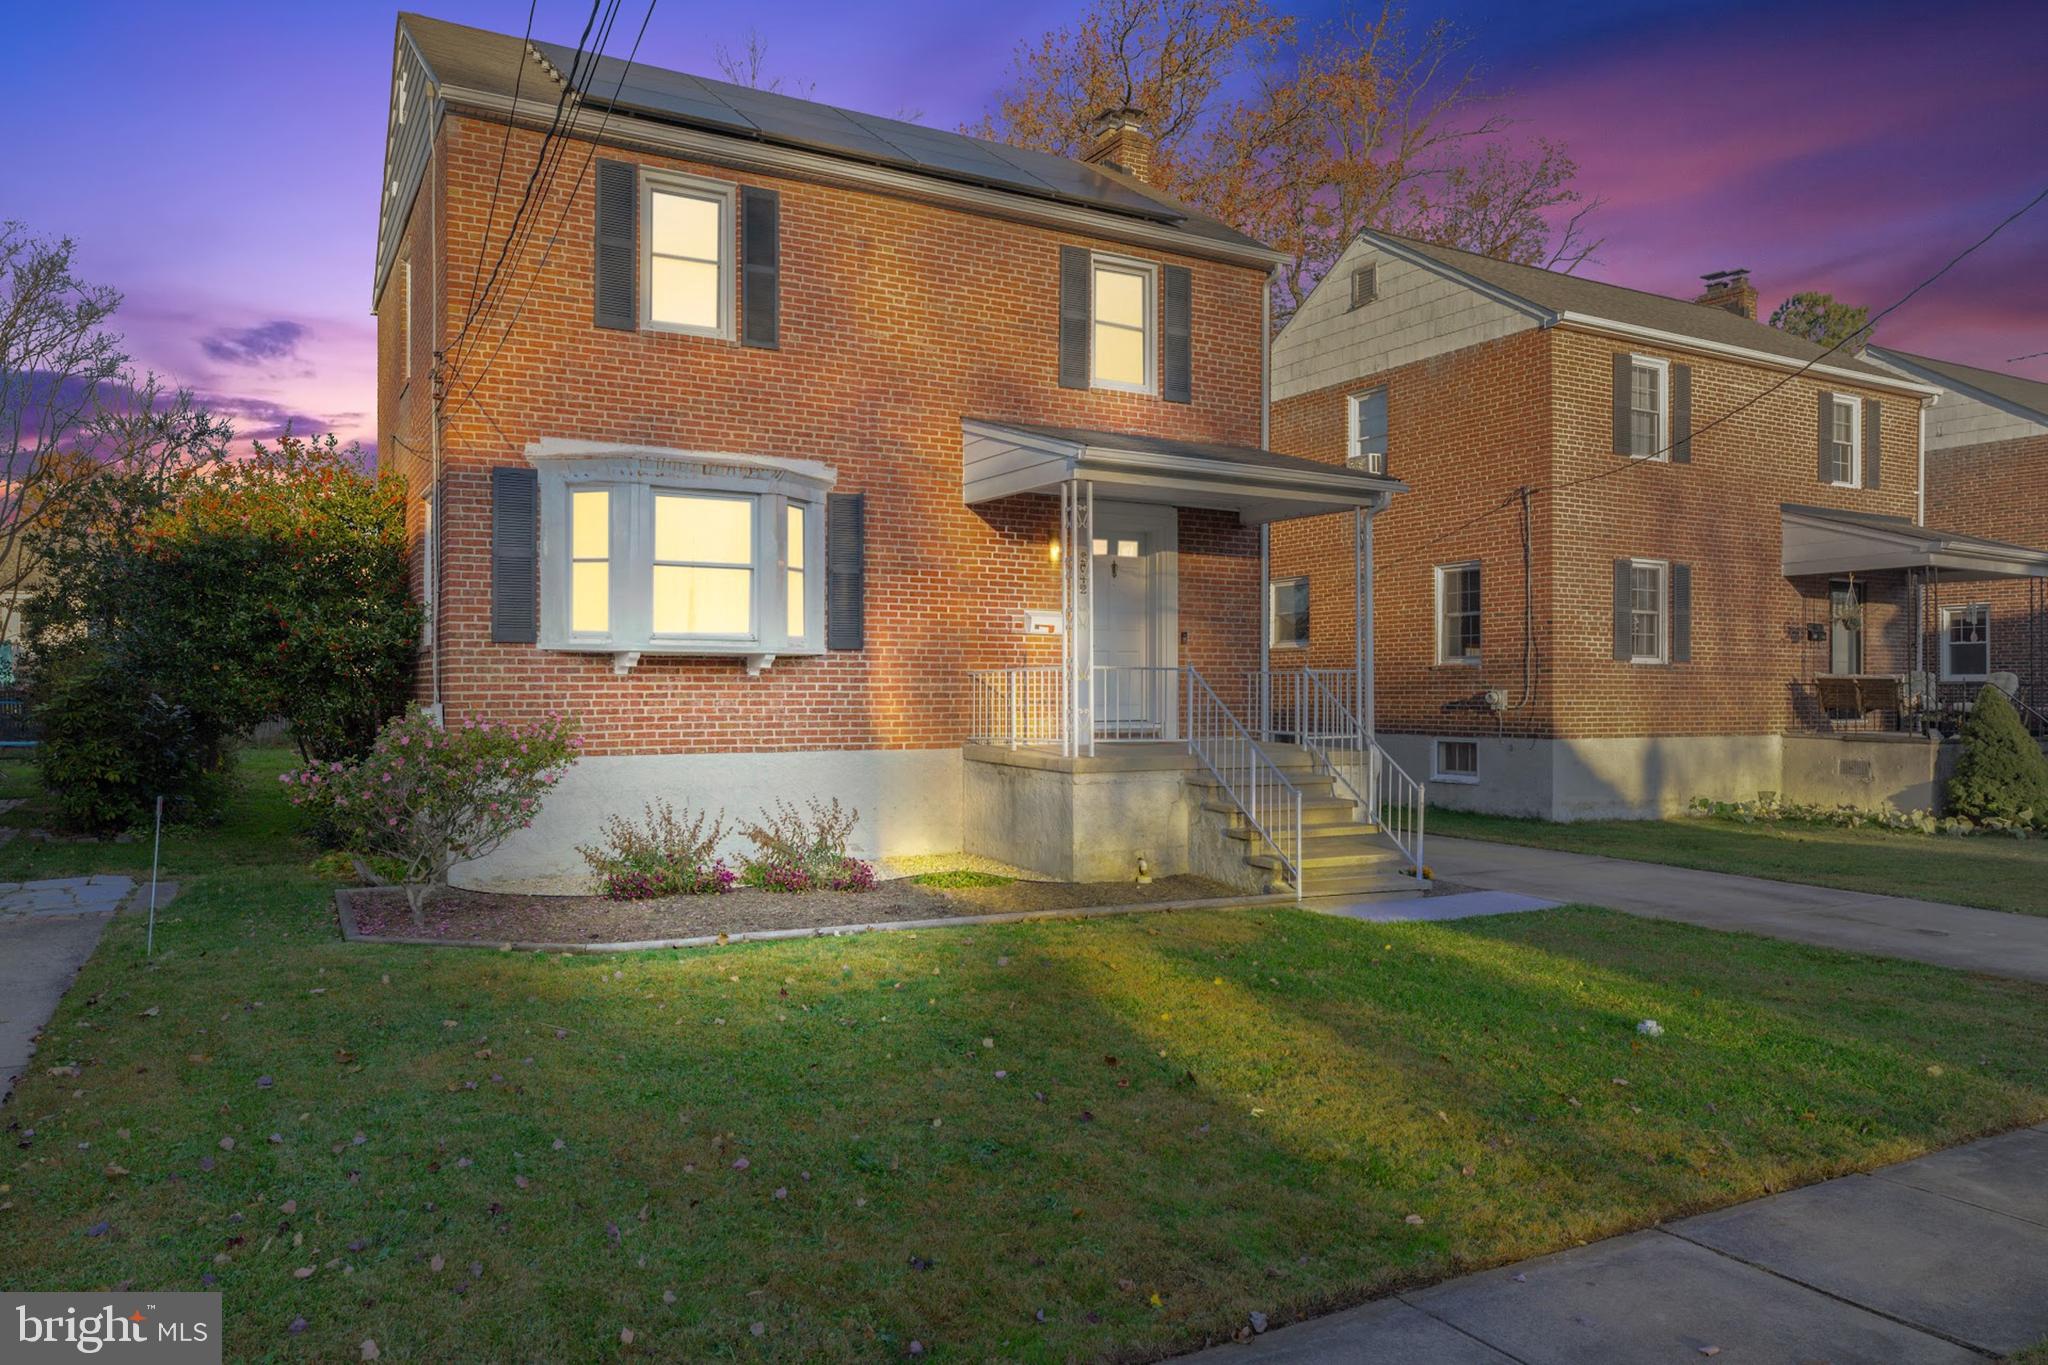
(500, 917)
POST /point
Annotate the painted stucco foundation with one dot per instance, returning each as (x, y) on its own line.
(909, 802)
(1647, 776)
(1077, 819)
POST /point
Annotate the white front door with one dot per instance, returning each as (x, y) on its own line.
(1134, 683)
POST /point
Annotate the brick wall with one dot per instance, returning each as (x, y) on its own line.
(1468, 428)
(1994, 489)
(898, 319)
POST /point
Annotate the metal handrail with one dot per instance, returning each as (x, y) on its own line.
(1310, 708)
(1262, 793)
(1135, 703)
(1013, 707)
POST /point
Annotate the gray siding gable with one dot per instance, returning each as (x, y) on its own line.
(1419, 313)
(1959, 419)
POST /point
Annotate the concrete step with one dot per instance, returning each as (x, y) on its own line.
(1316, 812)
(1308, 780)
(1361, 884)
(1353, 851)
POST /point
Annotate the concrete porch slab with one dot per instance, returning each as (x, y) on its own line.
(1460, 905)
(1653, 1297)
(1965, 1272)
(1385, 1332)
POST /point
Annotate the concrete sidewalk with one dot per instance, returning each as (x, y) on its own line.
(47, 931)
(1997, 941)
(1938, 1261)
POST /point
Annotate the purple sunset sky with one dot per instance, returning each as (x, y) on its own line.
(219, 163)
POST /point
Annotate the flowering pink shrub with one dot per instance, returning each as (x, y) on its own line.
(806, 852)
(661, 854)
(426, 798)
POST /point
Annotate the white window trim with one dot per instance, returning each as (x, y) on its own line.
(1436, 757)
(1660, 449)
(1354, 454)
(1273, 587)
(1949, 675)
(724, 193)
(1149, 347)
(1663, 568)
(634, 474)
(1855, 407)
(1441, 570)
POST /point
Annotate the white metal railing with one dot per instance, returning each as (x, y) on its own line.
(1309, 707)
(1016, 707)
(1262, 793)
(1030, 707)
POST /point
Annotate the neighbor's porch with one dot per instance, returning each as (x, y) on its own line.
(1925, 677)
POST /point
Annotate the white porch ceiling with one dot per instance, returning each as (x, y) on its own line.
(1825, 540)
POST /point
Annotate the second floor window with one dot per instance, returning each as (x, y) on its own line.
(687, 255)
(1368, 431)
(1648, 407)
(1845, 422)
(1457, 614)
(1122, 349)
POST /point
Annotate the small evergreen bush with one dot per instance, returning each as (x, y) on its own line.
(2001, 774)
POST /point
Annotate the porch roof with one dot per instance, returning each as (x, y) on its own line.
(1828, 540)
(1000, 459)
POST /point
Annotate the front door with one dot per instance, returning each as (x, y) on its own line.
(1134, 680)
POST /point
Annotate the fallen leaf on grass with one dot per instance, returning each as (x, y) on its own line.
(369, 1346)
(304, 1272)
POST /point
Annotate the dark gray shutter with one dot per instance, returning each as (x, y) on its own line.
(1827, 431)
(1873, 441)
(617, 255)
(846, 539)
(760, 268)
(1076, 281)
(1622, 369)
(1177, 366)
(1622, 652)
(1681, 613)
(515, 505)
(1681, 414)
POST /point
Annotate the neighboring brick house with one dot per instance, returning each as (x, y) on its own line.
(761, 453)
(1718, 524)
(1987, 474)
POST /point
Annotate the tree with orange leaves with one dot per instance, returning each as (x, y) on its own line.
(1363, 123)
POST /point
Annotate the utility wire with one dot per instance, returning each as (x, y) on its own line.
(1657, 456)
(561, 103)
(504, 145)
(554, 148)
(575, 189)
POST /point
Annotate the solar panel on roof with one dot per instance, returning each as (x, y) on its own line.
(695, 101)
(810, 125)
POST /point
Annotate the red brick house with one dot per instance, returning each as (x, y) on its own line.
(1987, 474)
(802, 453)
(1710, 576)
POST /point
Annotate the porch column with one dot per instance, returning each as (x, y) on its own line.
(1361, 625)
(1077, 628)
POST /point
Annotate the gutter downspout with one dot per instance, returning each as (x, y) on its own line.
(436, 512)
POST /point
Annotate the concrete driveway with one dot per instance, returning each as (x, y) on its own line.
(47, 931)
(1996, 941)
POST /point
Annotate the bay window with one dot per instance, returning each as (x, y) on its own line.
(680, 554)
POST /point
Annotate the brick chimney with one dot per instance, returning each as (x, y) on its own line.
(1122, 139)
(1730, 290)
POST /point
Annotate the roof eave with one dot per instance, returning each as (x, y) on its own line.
(1680, 341)
(1941, 381)
(748, 154)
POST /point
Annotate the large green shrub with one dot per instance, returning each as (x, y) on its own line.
(109, 747)
(2001, 773)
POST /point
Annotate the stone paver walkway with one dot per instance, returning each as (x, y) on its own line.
(1938, 1261)
(47, 931)
(1996, 941)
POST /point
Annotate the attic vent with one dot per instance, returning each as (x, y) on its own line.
(1365, 285)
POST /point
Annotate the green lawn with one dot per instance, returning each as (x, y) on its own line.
(1140, 1128)
(1995, 872)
